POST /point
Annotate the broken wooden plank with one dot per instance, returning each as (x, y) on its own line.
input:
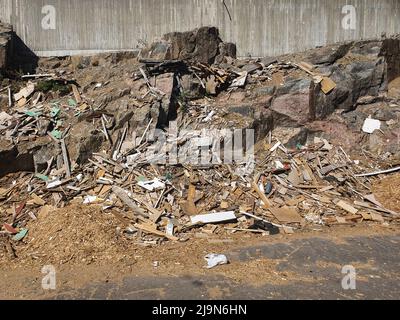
(77, 95)
(347, 207)
(153, 230)
(65, 158)
(39, 75)
(261, 194)
(156, 214)
(189, 206)
(376, 173)
(25, 92)
(379, 209)
(121, 194)
(9, 97)
(246, 230)
(214, 217)
(266, 221)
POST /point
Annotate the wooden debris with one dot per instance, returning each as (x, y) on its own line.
(347, 207)
(152, 229)
(213, 217)
(189, 206)
(327, 85)
(77, 95)
(120, 193)
(263, 197)
(286, 215)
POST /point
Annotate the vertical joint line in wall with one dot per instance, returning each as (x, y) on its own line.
(227, 10)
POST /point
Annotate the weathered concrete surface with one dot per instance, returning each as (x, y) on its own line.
(258, 27)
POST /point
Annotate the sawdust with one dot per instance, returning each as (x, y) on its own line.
(74, 234)
(84, 236)
(387, 192)
(115, 259)
(260, 271)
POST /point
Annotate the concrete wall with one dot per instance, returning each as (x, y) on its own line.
(258, 27)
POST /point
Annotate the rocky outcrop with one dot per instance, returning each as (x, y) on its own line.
(200, 45)
(15, 158)
(5, 46)
(283, 93)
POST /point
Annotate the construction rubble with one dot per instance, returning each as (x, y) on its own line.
(145, 137)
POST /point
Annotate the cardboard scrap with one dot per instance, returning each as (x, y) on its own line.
(327, 85)
(286, 214)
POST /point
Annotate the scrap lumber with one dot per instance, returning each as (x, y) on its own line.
(153, 230)
(263, 197)
(123, 196)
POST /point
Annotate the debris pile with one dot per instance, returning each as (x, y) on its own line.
(156, 144)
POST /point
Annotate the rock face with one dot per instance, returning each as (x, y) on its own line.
(292, 105)
(5, 46)
(360, 69)
(200, 45)
(275, 95)
(14, 158)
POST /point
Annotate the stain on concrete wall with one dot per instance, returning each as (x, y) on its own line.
(258, 27)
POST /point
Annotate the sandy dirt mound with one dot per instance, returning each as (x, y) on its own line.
(76, 234)
(388, 192)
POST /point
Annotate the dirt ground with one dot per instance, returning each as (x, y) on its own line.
(84, 245)
(175, 260)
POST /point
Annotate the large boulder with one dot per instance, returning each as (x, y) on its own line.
(200, 45)
(293, 104)
(15, 158)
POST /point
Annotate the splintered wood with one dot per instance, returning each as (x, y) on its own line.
(181, 182)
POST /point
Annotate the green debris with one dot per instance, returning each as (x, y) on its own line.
(54, 85)
(71, 102)
(168, 176)
(42, 177)
(20, 235)
(55, 111)
(141, 178)
(56, 134)
(33, 114)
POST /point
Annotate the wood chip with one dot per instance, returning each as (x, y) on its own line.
(347, 207)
